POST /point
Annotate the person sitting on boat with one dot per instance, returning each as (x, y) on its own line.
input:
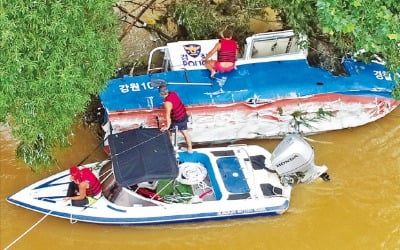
(175, 114)
(227, 50)
(83, 184)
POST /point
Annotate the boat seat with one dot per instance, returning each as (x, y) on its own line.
(258, 163)
(223, 153)
(238, 196)
(269, 190)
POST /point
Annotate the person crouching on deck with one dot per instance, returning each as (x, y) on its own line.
(175, 114)
(227, 50)
(83, 184)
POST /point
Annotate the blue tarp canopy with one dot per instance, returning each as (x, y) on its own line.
(142, 155)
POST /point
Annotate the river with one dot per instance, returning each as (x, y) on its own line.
(358, 209)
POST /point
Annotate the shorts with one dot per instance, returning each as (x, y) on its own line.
(181, 124)
(219, 68)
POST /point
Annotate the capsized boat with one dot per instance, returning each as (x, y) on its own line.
(273, 91)
(148, 182)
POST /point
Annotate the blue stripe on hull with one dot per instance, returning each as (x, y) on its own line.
(269, 211)
(267, 80)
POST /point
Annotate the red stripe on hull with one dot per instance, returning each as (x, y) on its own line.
(271, 116)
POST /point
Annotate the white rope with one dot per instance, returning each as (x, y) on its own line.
(71, 220)
(316, 141)
(191, 173)
(27, 231)
(162, 189)
(108, 175)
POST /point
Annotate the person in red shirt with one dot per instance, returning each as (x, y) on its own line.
(175, 114)
(83, 184)
(227, 51)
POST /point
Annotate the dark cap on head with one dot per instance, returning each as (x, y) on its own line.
(163, 90)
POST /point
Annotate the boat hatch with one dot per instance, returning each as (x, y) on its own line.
(232, 175)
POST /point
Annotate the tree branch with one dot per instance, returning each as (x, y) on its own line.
(135, 18)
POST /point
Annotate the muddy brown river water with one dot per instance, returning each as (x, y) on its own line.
(358, 209)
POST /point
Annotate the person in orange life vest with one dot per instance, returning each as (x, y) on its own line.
(83, 183)
(175, 114)
(227, 49)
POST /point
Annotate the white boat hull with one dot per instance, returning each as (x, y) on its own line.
(47, 197)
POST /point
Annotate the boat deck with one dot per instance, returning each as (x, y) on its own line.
(230, 175)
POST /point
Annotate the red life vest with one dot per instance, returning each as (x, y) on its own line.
(94, 184)
(178, 109)
(227, 52)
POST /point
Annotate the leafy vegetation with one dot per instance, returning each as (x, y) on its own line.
(304, 118)
(200, 20)
(350, 25)
(54, 56)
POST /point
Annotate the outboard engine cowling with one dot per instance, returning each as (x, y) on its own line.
(294, 158)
